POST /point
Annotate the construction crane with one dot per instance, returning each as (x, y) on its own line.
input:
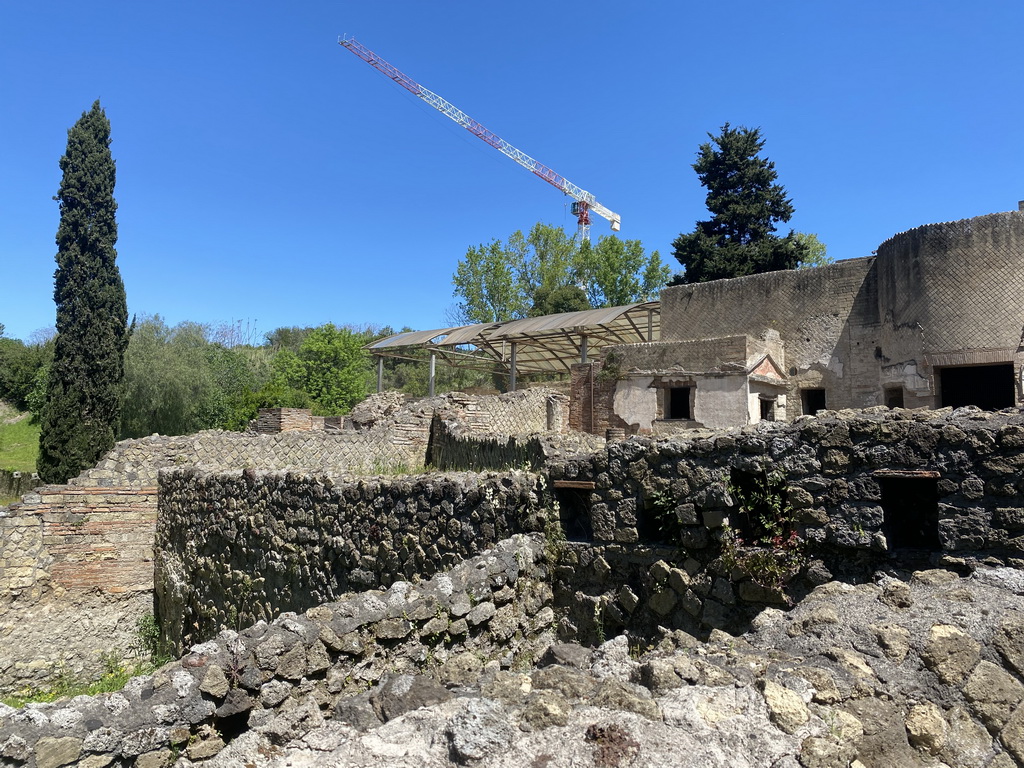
(584, 202)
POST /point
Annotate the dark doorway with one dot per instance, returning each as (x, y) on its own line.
(911, 509)
(767, 409)
(894, 397)
(574, 513)
(990, 387)
(813, 400)
(679, 403)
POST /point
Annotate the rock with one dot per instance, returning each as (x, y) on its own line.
(402, 693)
(894, 641)
(569, 682)
(622, 696)
(53, 752)
(1012, 734)
(462, 669)
(994, 694)
(479, 730)
(785, 708)
(896, 594)
(357, 711)
(935, 577)
(160, 758)
(817, 616)
(235, 702)
(546, 708)
(950, 653)
(659, 675)
(1009, 641)
(926, 728)
(292, 664)
(215, 683)
(568, 654)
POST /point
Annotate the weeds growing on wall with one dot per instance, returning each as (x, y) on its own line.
(763, 543)
(148, 653)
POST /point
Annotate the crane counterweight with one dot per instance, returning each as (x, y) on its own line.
(584, 201)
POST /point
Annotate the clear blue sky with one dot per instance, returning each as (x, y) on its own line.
(267, 175)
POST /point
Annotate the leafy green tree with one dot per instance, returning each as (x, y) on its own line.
(618, 272)
(20, 365)
(83, 398)
(331, 366)
(747, 204)
(167, 381)
(547, 271)
(815, 254)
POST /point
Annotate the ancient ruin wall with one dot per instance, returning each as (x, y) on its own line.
(234, 547)
(827, 318)
(954, 286)
(652, 522)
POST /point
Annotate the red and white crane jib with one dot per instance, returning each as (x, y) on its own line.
(586, 201)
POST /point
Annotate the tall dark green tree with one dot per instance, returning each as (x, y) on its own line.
(83, 395)
(747, 204)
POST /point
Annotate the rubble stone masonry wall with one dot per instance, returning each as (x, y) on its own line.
(235, 547)
(860, 488)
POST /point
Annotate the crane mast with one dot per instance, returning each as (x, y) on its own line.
(584, 203)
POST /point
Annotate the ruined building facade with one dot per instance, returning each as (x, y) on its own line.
(933, 319)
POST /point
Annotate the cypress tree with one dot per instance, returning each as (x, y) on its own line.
(83, 398)
(747, 203)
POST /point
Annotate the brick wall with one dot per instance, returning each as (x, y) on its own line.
(827, 318)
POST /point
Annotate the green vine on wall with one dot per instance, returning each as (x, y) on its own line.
(764, 545)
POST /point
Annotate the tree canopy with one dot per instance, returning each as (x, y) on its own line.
(547, 271)
(747, 204)
(82, 406)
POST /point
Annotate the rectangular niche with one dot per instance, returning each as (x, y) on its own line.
(573, 497)
(813, 400)
(910, 503)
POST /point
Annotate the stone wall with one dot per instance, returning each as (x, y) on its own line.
(856, 488)
(494, 608)
(14, 483)
(950, 295)
(234, 547)
(453, 446)
(76, 574)
(827, 317)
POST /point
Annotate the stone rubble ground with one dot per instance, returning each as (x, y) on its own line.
(909, 670)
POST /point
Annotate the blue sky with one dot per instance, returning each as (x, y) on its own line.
(266, 175)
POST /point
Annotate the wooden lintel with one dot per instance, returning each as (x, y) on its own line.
(907, 473)
(585, 485)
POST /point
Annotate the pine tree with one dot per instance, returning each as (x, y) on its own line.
(746, 202)
(83, 397)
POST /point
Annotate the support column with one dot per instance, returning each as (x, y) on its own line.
(512, 369)
(583, 349)
(650, 325)
(433, 370)
(380, 373)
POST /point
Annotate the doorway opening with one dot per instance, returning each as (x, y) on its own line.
(990, 387)
(813, 400)
(910, 505)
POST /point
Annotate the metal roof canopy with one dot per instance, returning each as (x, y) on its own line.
(547, 344)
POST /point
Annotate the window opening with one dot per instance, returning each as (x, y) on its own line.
(894, 397)
(760, 513)
(768, 409)
(910, 507)
(574, 513)
(990, 387)
(813, 400)
(679, 403)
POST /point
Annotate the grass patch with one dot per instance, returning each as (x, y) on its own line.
(67, 685)
(149, 655)
(19, 445)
